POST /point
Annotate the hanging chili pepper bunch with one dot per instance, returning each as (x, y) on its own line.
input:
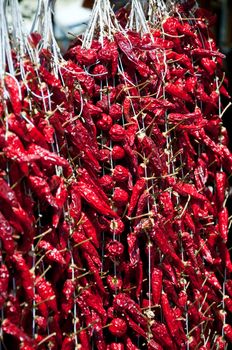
(171, 266)
(114, 167)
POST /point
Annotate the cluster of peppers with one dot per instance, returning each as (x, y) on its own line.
(113, 186)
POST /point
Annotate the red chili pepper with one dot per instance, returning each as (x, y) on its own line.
(85, 245)
(42, 190)
(95, 272)
(115, 112)
(46, 292)
(138, 189)
(6, 235)
(13, 89)
(117, 226)
(25, 274)
(105, 122)
(120, 197)
(4, 281)
(115, 250)
(118, 327)
(133, 249)
(114, 283)
(228, 332)
(221, 184)
(9, 328)
(52, 253)
(125, 46)
(156, 278)
(130, 345)
(173, 324)
(89, 229)
(123, 303)
(117, 133)
(165, 246)
(94, 200)
(223, 223)
(68, 343)
(166, 204)
(185, 189)
(161, 335)
(49, 78)
(120, 174)
(136, 328)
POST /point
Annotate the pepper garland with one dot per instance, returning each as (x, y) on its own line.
(114, 182)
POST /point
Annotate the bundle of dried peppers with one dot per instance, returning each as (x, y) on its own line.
(114, 168)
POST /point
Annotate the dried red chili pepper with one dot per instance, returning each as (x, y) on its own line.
(118, 327)
(52, 253)
(85, 245)
(156, 278)
(117, 133)
(94, 200)
(105, 122)
(120, 174)
(173, 324)
(13, 89)
(4, 281)
(115, 250)
(120, 197)
(9, 328)
(221, 184)
(138, 188)
(130, 345)
(68, 343)
(46, 292)
(223, 223)
(6, 235)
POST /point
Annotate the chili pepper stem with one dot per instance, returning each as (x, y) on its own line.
(46, 338)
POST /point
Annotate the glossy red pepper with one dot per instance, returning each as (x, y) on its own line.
(6, 235)
(52, 253)
(46, 292)
(94, 200)
(120, 174)
(115, 250)
(117, 133)
(118, 327)
(156, 278)
(13, 89)
(138, 188)
(120, 197)
(9, 328)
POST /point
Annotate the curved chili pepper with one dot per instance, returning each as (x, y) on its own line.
(13, 90)
(68, 343)
(46, 292)
(130, 345)
(223, 223)
(173, 325)
(25, 274)
(6, 235)
(87, 246)
(94, 200)
(138, 188)
(89, 229)
(9, 328)
(95, 272)
(52, 253)
(156, 284)
(120, 197)
(4, 281)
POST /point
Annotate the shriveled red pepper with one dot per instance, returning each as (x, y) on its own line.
(52, 253)
(156, 278)
(13, 89)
